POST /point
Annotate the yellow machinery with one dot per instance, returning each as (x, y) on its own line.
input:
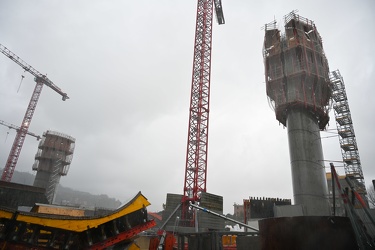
(24, 230)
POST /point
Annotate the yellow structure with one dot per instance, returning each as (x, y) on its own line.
(77, 224)
(53, 227)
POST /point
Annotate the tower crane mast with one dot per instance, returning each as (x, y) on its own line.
(40, 80)
(11, 126)
(197, 143)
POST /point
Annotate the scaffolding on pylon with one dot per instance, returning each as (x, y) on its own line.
(54, 180)
(345, 129)
(296, 69)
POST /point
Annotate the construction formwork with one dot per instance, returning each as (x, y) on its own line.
(205, 221)
(52, 160)
(298, 89)
(296, 69)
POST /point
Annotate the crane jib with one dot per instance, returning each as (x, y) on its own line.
(32, 71)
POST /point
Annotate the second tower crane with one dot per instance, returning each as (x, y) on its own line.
(40, 80)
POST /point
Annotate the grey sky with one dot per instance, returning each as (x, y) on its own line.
(126, 65)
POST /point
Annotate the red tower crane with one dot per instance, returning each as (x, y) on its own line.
(40, 80)
(197, 143)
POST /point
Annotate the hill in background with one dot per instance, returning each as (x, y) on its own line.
(69, 196)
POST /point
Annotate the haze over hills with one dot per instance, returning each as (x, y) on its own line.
(69, 196)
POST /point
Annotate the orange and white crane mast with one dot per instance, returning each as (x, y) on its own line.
(40, 80)
(197, 143)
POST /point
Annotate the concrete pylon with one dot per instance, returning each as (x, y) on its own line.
(298, 88)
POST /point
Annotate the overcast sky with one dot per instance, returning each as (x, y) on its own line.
(126, 66)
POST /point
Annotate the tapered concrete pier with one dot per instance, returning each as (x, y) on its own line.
(298, 88)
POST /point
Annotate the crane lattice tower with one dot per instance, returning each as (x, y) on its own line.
(298, 88)
(345, 129)
(197, 143)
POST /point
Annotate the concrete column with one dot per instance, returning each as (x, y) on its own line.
(41, 179)
(306, 157)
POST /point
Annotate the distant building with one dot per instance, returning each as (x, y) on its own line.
(238, 210)
(262, 207)
(257, 207)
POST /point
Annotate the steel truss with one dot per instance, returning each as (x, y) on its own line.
(197, 144)
(345, 129)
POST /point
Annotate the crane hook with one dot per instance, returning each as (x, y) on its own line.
(22, 76)
(6, 137)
